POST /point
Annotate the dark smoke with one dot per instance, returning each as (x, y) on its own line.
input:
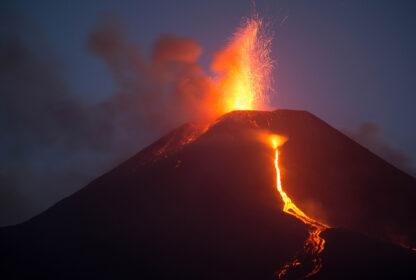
(52, 142)
(369, 134)
(169, 88)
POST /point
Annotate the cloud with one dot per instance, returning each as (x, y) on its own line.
(369, 134)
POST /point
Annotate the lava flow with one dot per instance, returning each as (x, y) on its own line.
(314, 244)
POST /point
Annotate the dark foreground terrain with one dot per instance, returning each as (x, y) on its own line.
(201, 203)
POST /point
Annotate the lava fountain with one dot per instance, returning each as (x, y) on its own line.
(244, 67)
(314, 244)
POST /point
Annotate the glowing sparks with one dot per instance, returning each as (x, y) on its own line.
(244, 68)
(315, 244)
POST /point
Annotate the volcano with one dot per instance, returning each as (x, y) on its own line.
(202, 203)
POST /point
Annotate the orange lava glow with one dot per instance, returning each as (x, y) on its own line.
(243, 82)
(244, 68)
(314, 244)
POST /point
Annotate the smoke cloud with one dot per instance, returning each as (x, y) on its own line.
(369, 134)
(52, 142)
(169, 88)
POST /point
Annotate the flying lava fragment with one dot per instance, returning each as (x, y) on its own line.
(244, 67)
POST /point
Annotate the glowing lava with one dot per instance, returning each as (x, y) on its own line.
(314, 244)
(244, 81)
(244, 67)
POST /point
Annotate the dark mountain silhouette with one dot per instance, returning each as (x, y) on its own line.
(202, 203)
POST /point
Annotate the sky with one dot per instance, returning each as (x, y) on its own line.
(351, 63)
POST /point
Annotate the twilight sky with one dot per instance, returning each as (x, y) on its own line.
(351, 63)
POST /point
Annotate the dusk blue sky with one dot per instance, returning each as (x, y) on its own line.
(348, 62)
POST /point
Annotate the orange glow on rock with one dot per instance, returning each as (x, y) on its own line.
(314, 244)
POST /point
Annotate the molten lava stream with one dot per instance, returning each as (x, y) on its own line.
(314, 244)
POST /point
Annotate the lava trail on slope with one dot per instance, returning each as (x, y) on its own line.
(314, 245)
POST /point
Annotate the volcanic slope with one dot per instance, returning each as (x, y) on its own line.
(201, 202)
